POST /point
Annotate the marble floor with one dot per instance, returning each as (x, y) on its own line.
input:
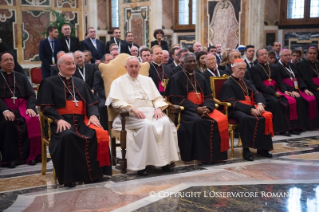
(287, 182)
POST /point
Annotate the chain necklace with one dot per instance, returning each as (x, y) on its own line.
(73, 95)
(315, 70)
(269, 75)
(161, 78)
(290, 71)
(194, 87)
(245, 90)
(213, 73)
(14, 87)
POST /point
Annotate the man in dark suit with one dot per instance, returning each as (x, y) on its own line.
(175, 57)
(122, 44)
(249, 54)
(276, 47)
(96, 47)
(129, 39)
(219, 53)
(48, 49)
(84, 71)
(69, 43)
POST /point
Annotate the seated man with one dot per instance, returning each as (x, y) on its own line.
(212, 68)
(265, 77)
(203, 133)
(151, 136)
(79, 146)
(255, 124)
(295, 90)
(20, 133)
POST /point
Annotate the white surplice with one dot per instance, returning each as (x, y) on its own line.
(149, 141)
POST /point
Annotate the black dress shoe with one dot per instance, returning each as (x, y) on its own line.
(285, 133)
(11, 165)
(247, 155)
(264, 153)
(294, 132)
(69, 185)
(33, 162)
(167, 168)
(142, 172)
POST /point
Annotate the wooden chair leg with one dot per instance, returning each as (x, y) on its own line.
(232, 141)
(44, 158)
(113, 150)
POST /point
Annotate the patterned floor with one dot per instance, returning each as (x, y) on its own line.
(287, 182)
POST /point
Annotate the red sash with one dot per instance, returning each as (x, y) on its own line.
(33, 126)
(312, 110)
(292, 102)
(102, 135)
(220, 118)
(267, 115)
(316, 81)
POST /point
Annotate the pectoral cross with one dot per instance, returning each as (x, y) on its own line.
(14, 99)
(291, 79)
(76, 102)
(196, 93)
(269, 80)
(248, 98)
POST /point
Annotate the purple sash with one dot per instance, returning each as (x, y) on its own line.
(312, 110)
(316, 81)
(33, 126)
(292, 102)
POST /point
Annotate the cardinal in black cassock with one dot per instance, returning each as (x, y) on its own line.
(79, 152)
(247, 107)
(203, 132)
(20, 135)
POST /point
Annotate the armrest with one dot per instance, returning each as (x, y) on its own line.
(225, 104)
(174, 108)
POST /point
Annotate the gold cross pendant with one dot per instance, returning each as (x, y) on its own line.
(269, 80)
(196, 93)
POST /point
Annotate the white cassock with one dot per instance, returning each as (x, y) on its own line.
(149, 141)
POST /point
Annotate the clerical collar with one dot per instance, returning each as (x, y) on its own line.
(67, 38)
(80, 66)
(235, 78)
(131, 78)
(189, 73)
(263, 64)
(6, 72)
(156, 64)
(64, 76)
(286, 65)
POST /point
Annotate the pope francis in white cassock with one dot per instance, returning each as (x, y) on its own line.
(151, 136)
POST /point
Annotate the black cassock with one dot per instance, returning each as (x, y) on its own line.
(302, 104)
(159, 73)
(251, 128)
(307, 71)
(74, 157)
(14, 141)
(279, 107)
(198, 138)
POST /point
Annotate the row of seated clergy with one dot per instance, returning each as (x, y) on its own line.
(290, 112)
(87, 72)
(19, 126)
(79, 146)
(151, 136)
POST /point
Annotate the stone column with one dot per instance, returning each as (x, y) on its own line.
(198, 27)
(92, 13)
(156, 15)
(256, 23)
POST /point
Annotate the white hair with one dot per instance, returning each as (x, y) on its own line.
(283, 50)
(79, 52)
(60, 60)
(132, 57)
(165, 51)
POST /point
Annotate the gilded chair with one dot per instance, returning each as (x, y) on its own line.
(216, 84)
(109, 72)
(36, 77)
(45, 124)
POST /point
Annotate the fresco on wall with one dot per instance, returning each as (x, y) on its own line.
(224, 24)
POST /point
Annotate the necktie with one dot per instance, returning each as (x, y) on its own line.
(94, 42)
(52, 44)
(251, 64)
